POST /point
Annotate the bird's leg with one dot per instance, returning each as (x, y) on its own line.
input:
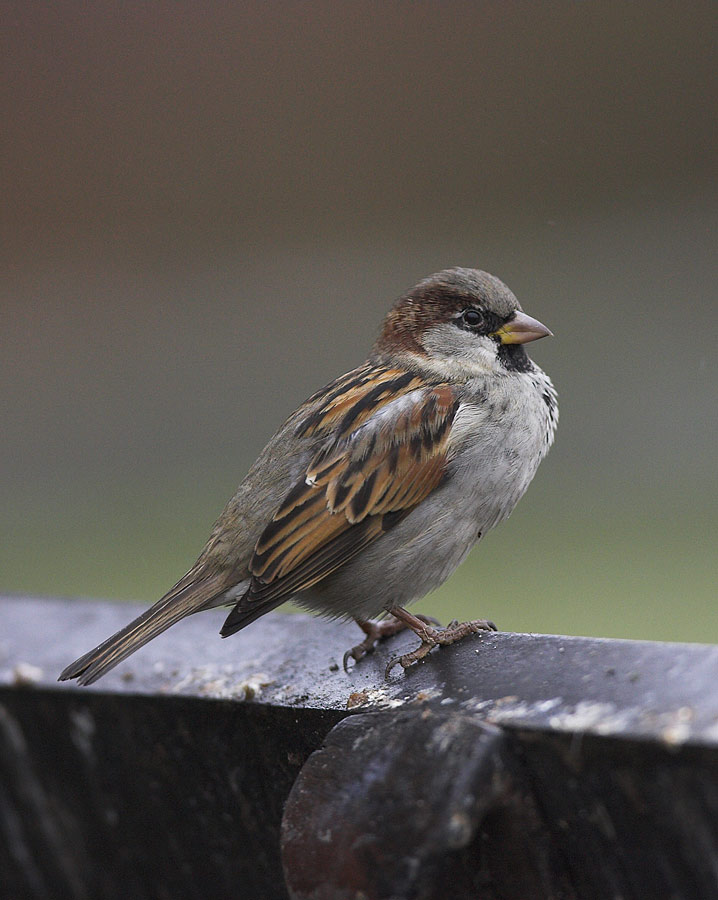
(431, 637)
(377, 631)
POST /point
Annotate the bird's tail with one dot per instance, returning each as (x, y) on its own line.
(191, 593)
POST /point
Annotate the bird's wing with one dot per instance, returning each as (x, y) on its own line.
(388, 450)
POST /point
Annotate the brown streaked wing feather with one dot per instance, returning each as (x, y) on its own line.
(350, 400)
(380, 468)
(328, 557)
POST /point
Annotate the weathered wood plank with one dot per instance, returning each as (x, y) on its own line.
(169, 776)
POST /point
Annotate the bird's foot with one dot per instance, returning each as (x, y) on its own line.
(433, 637)
(377, 631)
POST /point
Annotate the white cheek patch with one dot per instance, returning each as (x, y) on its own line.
(458, 353)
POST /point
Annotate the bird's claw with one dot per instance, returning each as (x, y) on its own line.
(408, 659)
(431, 638)
(377, 631)
(355, 653)
(374, 633)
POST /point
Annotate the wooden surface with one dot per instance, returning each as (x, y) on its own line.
(507, 765)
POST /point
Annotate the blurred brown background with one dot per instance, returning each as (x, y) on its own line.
(207, 208)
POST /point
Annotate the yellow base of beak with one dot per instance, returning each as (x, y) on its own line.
(522, 329)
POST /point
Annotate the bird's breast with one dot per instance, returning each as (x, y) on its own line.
(500, 434)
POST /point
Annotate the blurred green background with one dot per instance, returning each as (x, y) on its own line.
(207, 209)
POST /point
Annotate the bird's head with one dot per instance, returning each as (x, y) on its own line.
(462, 322)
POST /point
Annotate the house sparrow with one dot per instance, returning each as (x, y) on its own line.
(376, 488)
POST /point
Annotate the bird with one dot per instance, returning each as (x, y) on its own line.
(376, 488)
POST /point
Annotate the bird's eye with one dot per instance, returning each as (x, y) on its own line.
(472, 318)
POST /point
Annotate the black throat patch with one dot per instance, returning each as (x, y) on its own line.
(514, 358)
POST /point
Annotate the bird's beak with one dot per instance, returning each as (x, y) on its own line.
(522, 329)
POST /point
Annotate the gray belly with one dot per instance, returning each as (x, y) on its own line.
(412, 559)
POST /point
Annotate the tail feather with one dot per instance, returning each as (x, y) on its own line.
(243, 615)
(189, 595)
